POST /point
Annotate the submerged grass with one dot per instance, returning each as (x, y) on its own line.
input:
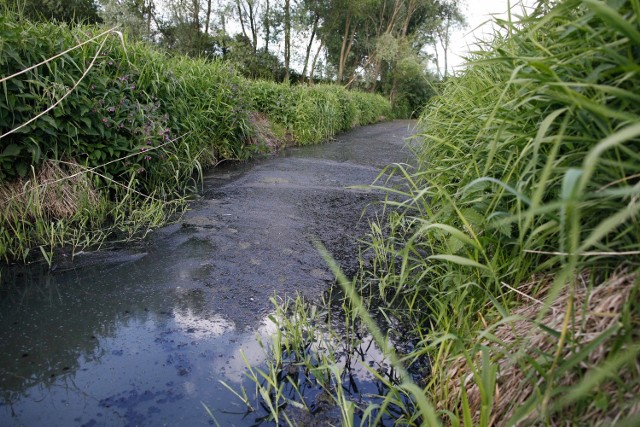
(509, 257)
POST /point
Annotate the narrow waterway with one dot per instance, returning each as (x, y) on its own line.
(144, 335)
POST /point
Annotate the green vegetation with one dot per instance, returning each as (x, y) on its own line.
(509, 257)
(101, 137)
(378, 46)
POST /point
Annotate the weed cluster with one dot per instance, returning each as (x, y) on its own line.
(509, 257)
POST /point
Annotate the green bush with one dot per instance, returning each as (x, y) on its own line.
(315, 113)
(132, 102)
(85, 126)
(277, 101)
(525, 197)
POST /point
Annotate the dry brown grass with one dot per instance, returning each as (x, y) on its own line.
(596, 309)
(58, 190)
(264, 134)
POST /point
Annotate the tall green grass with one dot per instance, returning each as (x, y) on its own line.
(311, 114)
(510, 255)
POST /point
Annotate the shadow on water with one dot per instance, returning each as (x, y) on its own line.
(143, 335)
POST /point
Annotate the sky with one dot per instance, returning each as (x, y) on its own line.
(479, 16)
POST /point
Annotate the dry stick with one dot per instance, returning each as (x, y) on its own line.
(354, 76)
(561, 343)
(523, 294)
(627, 253)
(108, 179)
(54, 105)
(112, 30)
(626, 178)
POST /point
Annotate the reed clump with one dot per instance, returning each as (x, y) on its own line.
(524, 338)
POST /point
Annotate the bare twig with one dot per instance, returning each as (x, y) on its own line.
(624, 253)
(522, 294)
(55, 104)
(93, 169)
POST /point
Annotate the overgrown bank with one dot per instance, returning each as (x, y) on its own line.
(102, 138)
(507, 275)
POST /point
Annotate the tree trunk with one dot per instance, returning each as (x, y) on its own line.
(195, 14)
(287, 39)
(306, 57)
(343, 48)
(437, 58)
(444, 42)
(241, 18)
(196, 45)
(208, 19)
(267, 26)
(349, 46)
(313, 64)
(254, 26)
(394, 91)
(411, 9)
(148, 9)
(394, 17)
(376, 74)
(223, 24)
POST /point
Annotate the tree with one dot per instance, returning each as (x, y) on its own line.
(449, 17)
(182, 31)
(287, 38)
(266, 22)
(342, 21)
(308, 15)
(207, 22)
(247, 12)
(135, 17)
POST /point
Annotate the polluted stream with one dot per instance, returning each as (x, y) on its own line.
(144, 335)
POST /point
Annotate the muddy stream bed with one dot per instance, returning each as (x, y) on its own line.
(143, 335)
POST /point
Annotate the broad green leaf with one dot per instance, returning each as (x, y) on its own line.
(11, 150)
(570, 184)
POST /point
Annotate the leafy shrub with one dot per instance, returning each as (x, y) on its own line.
(132, 102)
(371, 107)
(525, 202)
(276, 101)
(314, 113)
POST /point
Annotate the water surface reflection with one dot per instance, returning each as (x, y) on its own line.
(87, 347)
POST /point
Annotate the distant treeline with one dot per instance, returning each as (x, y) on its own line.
(378, 46)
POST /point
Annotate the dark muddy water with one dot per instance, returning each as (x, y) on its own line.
(144, 335)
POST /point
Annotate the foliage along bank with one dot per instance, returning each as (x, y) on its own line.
(126, 126)
(507, 274)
